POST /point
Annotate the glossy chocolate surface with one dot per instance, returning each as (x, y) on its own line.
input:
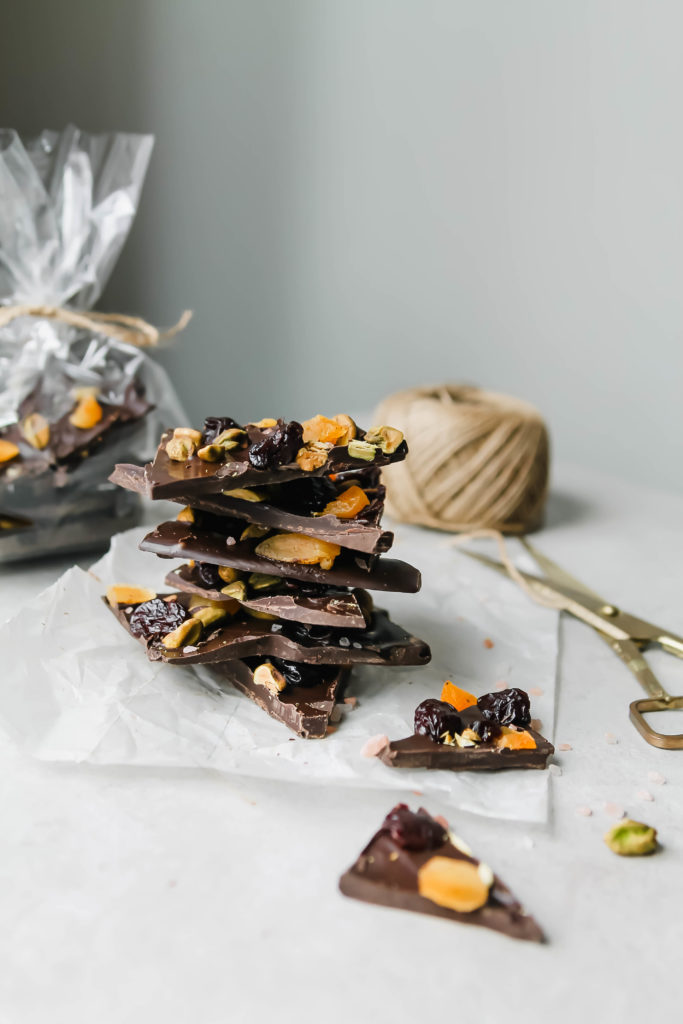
(424, 752)
(363, 533)
(169, 479)
(387, 874)
(382, 643)
(338, 608)
(183, 540)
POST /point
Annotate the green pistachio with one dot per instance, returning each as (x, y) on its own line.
(631, 838)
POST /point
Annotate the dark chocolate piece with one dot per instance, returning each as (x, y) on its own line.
(387, 874)
(435, 718)
(363, 533)
(305, 710)
(333, 607)
(424, 752)
(169, 479)
(381, 643)
(183, 540)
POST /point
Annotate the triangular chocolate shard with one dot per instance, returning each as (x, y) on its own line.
(463, 733)
(304, 709)
(414, 863)
(423, 752)
(288, 599)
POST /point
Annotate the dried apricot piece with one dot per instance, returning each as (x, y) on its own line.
(321, 428)
(123, 593)
(7, 451)
(453, 883)
(455, 695)
(515, 739)
(297, 547)
(348, 504)
(87, 413)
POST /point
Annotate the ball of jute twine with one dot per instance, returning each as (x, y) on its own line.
(477, 460)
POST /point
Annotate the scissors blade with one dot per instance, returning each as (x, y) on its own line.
(582, 606)
(556, 573)
(592, 609)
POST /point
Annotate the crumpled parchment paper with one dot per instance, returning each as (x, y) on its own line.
(75, 687)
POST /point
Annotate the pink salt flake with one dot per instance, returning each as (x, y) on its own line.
(610, 738)
(536, 724)
(644, 794)
(488, 643)
(417, 792)
(657, 778)
(614, 810)
(554, 769)
(536, 691)
(352, 702)
(374, 745)
(585, 812)
(442, 821)
(565, 746)
(501, 684)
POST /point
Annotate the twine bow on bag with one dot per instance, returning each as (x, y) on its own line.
(130, 329)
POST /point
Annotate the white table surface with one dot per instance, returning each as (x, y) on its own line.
(131, 896)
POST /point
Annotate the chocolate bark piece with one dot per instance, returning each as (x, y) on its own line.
(68, 444)
(326, 606)
(169, 479)
(381, 643)
(305, 710)
(362, 533)
(424, 752)
(387, 874)
(183, 540)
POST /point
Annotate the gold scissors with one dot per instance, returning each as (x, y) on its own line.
(626, 634)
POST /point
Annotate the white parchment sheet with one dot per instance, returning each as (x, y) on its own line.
(75, 687)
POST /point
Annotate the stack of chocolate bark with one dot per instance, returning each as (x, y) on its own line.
(281, 530)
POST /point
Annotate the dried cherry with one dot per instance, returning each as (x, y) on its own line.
(435, 717)
(207, 574)
(507, 707)
(414, 830)
(299, 673)
(156, 618)
(277, 446)
(215, 425)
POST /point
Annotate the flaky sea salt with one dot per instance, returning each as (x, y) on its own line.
(372, 747)
(610, 738)
(585, 812)
(565, 746)
(644, 794)
(614, 810)
(657, 778)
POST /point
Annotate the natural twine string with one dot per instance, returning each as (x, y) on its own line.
(548, 601)
(131, 329)
(477, 460)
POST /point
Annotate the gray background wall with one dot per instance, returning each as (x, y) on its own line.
(359, 195)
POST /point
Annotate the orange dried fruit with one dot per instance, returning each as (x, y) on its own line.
(515, 739)
(321, 428)
(8, 451)
(87, 413)
(123, 593)
(457, 697)
(348, 504)
(297, 547)
(453, 883)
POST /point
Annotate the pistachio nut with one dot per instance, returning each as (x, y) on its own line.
(386, 438)
(631, 838)
(244, 494)
(262, 580)
(189, 432)
(362, 450)
(267, 675)
(180, 449)
(210, 452)
(254, 530)
(230, 438)
(187, 633)
(36, 430)
(228, 574)
(350, 428)
(237, 590)
(209, 615)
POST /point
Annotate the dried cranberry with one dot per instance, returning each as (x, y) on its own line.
(299, 673)
(507, 707)
(156, 618)
(485, 728)
(215, 425)
(207, 574)
(306, 496)
(435, 717)
(277, 446)
(414, 830)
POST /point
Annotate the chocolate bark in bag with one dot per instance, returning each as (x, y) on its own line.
(74, 400)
